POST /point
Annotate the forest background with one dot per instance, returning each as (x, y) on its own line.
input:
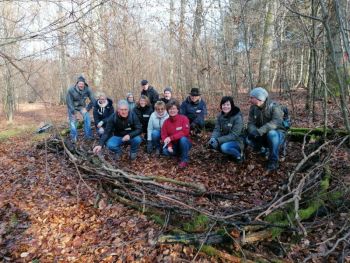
(298, 50)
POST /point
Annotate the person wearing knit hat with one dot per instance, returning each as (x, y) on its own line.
(167, 95)
(76, 102)
(266, 132)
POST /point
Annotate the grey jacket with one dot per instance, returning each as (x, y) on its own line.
(229, 127)
(265, 119)
(76, 99)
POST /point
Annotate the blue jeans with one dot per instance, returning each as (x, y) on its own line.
(231, 148)
(114, 144)
(273, 140)
(181, 148)
(73, 126)
(156, 139)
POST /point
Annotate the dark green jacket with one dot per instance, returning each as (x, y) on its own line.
(265, 119)
(229, 127)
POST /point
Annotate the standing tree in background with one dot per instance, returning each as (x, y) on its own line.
(267, 44)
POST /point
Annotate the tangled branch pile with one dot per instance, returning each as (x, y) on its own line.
(217, 216)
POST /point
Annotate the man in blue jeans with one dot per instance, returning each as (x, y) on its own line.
(76, 102)
(266, 132)
(123, 127)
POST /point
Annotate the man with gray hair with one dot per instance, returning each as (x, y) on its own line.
(123, 127)
(266, 132)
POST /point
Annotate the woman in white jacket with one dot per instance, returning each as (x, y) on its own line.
(155, 124)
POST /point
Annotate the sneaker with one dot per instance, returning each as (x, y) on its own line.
(183, 165)
(133, 156)
(272, 166)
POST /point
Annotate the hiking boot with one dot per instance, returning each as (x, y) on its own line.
(157, 151)
(132, 156)
(117, 157)
(272, 166)
(264, 152)
(238, 159)
(183, 165)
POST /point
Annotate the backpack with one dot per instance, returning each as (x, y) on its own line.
(286, 122)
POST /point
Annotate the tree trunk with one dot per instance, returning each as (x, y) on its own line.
(197, 27)
(335, 75)
(63, 64)
(265, 59)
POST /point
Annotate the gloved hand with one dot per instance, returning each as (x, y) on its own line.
(213, 143)
(253, 135)
(149, 147)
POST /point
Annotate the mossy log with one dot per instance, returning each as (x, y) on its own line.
(213, 252)
(281, 218)
(66, 131)
(296, 133)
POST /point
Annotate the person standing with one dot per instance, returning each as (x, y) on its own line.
(167, 93)
(103, 108)
(228, 132)
(195, 108)
(266, 132)
(149, 91)
(76, 102)
(175, 134)
(123, 127)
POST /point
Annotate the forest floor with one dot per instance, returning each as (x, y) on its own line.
(48, 215)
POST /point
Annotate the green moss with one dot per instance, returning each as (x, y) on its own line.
(209, 250)
(198, 224)
(157, 219)
(275, 217)
(15, 131)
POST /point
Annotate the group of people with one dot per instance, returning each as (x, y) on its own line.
(167, 127)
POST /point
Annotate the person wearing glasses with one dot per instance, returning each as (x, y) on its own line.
(123, 127)
(175, 134)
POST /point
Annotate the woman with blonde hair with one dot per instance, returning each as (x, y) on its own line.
(155, 124)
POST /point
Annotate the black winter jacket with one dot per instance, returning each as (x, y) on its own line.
(143, 114)
(102, 113)
(152, 95)
(118, 126)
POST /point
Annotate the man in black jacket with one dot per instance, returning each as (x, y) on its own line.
(76, 102)
(150, 92)
(123, 127)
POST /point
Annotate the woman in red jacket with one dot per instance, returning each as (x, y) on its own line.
(175, 134)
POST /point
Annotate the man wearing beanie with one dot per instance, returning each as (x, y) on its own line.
(167, 95)
(149, 91)
(266, 132)
(76, 102)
